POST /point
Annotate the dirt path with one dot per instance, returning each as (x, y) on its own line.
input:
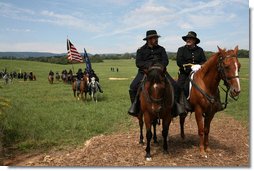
(229, 142)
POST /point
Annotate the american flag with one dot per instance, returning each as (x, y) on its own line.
(73, 53)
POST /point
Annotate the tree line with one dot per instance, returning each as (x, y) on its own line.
(242, 53)
(97, 58)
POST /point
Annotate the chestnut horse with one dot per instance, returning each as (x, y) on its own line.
(223, 65)
(82, 89)
(51, 79)
(156, 101)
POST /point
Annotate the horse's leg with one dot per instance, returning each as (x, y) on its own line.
(81, 95)
(208, 120)
(199, 120)
(165, 123)
(74, 92)
(85, 95)
(141, 124)
(154, 132)
(182, 120)
(148, 136)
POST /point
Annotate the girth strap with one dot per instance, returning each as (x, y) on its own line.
(211, 99)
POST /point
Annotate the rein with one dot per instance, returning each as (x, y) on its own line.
(147, 96)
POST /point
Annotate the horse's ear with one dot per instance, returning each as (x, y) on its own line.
(236, 50)
(219, 48)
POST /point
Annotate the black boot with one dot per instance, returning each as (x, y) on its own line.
(134, 109)
(178, 107)
(99, 87)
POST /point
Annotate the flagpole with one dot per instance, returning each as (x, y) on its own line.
(70, 49)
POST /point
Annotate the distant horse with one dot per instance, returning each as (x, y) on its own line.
(32, 77)
(25, 76)
(83, 88)
(64, 77)
(7, 78)
(51, 79)
(223, 65)
(70, 77)
(1, 74)
(57, 76)
(156, 102)
(93, 87)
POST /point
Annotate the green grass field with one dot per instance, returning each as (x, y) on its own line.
(37, 115)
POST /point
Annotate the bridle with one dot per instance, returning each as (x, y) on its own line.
(222, 73)
(221, 69)
(148, 97)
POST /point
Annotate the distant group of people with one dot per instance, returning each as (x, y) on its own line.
(90, 75)
(69, 77)
(9, 76)
(113, 69)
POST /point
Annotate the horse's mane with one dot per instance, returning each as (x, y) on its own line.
(213, 58)
(154, 76)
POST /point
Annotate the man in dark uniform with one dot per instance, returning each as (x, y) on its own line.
(147, 55)
(92, 74)
(79, 78)
(51, 73)
(189, 58)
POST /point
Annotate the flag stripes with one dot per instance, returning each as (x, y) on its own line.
(73, 54)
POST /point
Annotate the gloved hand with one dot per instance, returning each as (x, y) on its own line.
(195, 67)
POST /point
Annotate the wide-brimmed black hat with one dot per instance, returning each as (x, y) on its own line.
(191, 34)
(151, 33)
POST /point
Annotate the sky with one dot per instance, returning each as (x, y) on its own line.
(119, 26)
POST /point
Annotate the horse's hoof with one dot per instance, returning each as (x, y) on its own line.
(156, 143)
(141, 142)
(183, 137)
(165, 152)
(148, 157)
(203, 155)
(208, 149)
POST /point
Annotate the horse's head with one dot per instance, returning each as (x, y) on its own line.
(229, 67)
(93, 82)
(156, 86)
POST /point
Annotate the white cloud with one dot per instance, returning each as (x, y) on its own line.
(148, 15)
(9, 10)
(171, 42)
(185, 25)
(18, 30)
(45, 16)
(34, 47)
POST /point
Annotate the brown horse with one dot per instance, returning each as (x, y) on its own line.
(156, 101)
(51, 79)
(223, 65)
(82, 89)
